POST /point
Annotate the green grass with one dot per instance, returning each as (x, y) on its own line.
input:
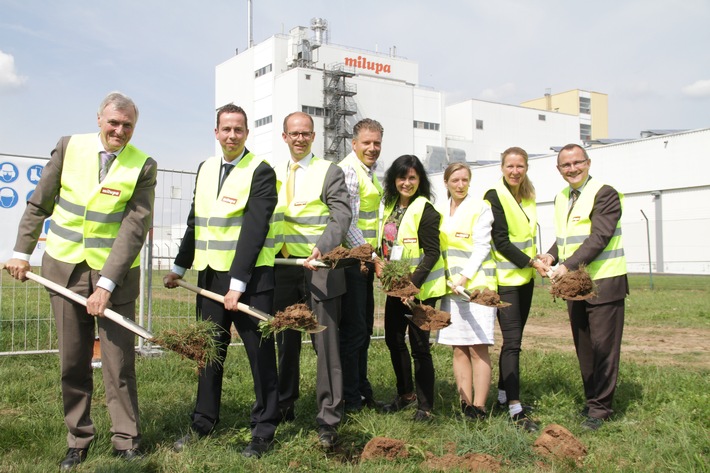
(661, 423)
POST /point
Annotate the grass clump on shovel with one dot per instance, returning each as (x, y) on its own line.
(195, 342)
(396, 280)
(297, 317)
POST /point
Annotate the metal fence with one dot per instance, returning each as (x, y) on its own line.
(26, 320)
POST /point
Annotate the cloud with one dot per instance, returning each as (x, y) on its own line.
(698, 89)
(497, 94)
(9, 79)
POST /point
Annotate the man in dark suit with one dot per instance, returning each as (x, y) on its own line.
(313, 215)
(228, 240)
(587, 224)
(99, 191)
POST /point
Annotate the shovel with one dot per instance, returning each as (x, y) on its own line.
(341, 263)
(108, 313)
(254, 312)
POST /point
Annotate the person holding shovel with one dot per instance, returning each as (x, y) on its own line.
(512, 201)
(312, 217)
(230, 242)
(98, 190)
(467, 239)
(588, 228)
(410, 231)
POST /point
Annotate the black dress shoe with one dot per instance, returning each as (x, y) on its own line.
(132, 454)
(400, 402)
(522, 421)
(185, 440)
(73, 458)
(372, 403)
(287, 415)
(257, 447)
(327, 436)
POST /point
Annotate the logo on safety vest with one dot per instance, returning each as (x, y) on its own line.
(111, 192)
(229, 200)
(463, 235)
(409, 240)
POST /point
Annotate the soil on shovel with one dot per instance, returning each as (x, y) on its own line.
(335, 255)
(195, 342)
(574, 286)
(297, 316)
(364, 254)
(487, 298)
(402, 288)
(429, 318)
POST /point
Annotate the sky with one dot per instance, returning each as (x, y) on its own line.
(59, 59)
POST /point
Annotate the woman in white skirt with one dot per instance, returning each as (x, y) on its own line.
(466, 237)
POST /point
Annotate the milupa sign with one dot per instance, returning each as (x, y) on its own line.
(362, 63)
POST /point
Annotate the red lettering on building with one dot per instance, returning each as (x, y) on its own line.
(362, 63)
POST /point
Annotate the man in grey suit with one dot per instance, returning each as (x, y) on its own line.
(99, 191)
(311, 217)
(588, 230)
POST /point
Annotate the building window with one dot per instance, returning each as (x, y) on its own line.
(585, 105)
(262, 71)
(426, 125)
(262, 121)
(313, 111)
(585, 132)
(542, 118)
(479, 124)
(308, 77)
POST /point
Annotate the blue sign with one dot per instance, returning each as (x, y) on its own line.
(8, 172)
(8, 197)
(34, 173)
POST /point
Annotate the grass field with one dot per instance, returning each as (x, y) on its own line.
(662, 419)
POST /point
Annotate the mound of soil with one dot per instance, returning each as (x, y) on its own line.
(558, 442)
(574, 286)
(384, 447)
(487, 298)
(467, 462)
(297, 316)
(429, 318)
(402, 288)
(362, 252)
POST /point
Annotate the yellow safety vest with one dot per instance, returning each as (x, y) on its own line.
(300, 224)
(407, 236)
(458, 244)
(573, 231)
(218, 222)
(370, 196)
(88, 214)
(522, 226)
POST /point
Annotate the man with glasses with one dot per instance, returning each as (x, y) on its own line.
(311, 218)
(588, 229)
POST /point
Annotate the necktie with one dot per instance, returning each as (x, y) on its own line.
(574, 195)
(291, 182)
(226, 169)
(290, 191)
(106, 160)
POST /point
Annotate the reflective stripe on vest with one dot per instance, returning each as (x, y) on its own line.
(572, 232)
(218, 222)
(370, 196)
(301, 224)
(522, 225)
(435, 283)
(458, 243)
(88, 214)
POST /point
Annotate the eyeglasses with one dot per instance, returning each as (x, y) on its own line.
(575, 164)
(295, 134)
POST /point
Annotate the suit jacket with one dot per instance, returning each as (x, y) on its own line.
(606, 213)
(135, 224)
(257, 215)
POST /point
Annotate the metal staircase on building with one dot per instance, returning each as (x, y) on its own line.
(338, 104)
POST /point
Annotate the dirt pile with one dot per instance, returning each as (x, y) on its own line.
(487, 298)
(468, 462)
(384, 447)
(557, 442)
(297, 317)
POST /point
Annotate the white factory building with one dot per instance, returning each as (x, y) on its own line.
(339, 85)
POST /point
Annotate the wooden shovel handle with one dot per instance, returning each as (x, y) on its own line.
(108, 313)
(220, 298)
